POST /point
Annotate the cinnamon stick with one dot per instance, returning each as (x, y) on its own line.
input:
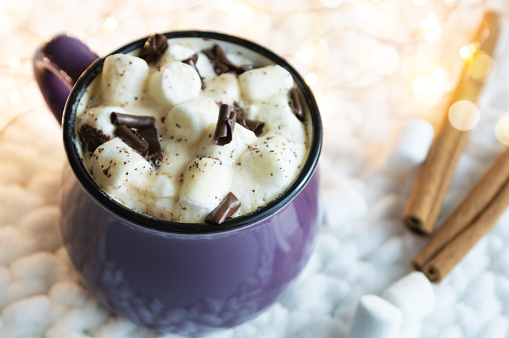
(467, 212)
(426, 200)
(455, 238)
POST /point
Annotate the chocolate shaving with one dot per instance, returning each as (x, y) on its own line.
(92, 138)
(225, 125)
(243, 69)
(192, 62)
(133, 139)
(132, 121)
(227, 207)
(295, 104)
(219, 60)
(253, 125)
(154, 151)
(154, 47)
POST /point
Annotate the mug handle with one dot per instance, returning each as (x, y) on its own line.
(57, 66)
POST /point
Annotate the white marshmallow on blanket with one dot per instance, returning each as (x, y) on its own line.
(413, 295)
(260, 84)
(411, 146)
(175, 83)
(345, 204)
(375, 318)
(123, 79)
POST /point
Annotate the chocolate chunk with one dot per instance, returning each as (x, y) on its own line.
(243, 69)
(220, 62)
(225, 125)
(253, 125)
(154, 47)
(154, 150)
(192, 62)
(91, 138)
(295, 104)
(132, 121)
(228, 206)
(133, 139)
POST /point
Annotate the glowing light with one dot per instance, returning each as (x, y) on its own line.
(433, 35)
(331, 3)
(429, 89)
(419, 2)
(480, 65)
(362, 11)
(464, 115)
(429, 22)
(416, 66)
(14, 63)
(111, 23)
(224, 5)
(311, 78)
(439, 73)
(385, 60)
(314, 52)
(14, 97)
(467, 50)
(502, 129)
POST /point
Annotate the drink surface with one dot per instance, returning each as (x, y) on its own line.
(175, 129)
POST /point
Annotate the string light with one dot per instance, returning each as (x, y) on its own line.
(111, 23)
(480, 65)
(464, 115)
(311, 78)
(502, 129)
(224, 5)
(314, 52)
(14, 63)
(14, 97)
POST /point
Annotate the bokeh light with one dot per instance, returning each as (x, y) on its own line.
(502, 129)
(464, 115)
(385, 60)
(480, 65)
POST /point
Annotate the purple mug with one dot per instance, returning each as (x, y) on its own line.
(175, 277)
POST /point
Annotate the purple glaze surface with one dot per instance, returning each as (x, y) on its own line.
(186, 283)
(176, 277)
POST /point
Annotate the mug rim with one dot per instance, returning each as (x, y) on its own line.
(148, 222)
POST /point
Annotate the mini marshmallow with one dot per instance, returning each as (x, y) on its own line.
(123, 79)
(268, 165)
(413, 295)
(175, 83)
(191, 120)
(411, 146)
(224, 88)
(344, 205)
(99, 118)
(375, 318)
(206, 182)
(263, 83)
(174, 52)
(115, 164)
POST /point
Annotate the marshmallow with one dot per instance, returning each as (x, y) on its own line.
(115, 164)
(413, 295)
(344, 205)
(174, 84)
(191, 120)
(206, 182)
(375, 318)
(263, 83)
(224, 88)
(411, 146)
(99, 118)
(174, 52)
(205, 67)
(123, 79)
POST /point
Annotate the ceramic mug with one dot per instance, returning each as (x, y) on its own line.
(175, 277)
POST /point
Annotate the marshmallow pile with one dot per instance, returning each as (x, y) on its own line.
(183, 97)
